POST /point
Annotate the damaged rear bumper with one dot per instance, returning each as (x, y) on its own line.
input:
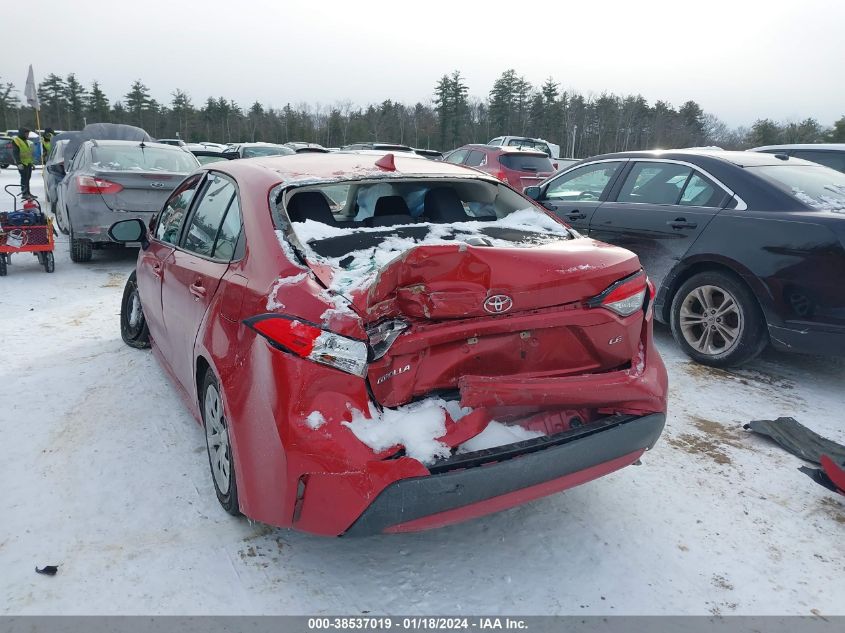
(475, 484)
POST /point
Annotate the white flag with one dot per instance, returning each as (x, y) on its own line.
(30, 91)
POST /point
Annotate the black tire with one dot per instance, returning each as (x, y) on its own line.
(80, 250)
(228, 498)
(3, 269)
(133, 326)
(58, 219)
(49, 262)
(733, 312)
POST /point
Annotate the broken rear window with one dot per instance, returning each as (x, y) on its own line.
(358, 227)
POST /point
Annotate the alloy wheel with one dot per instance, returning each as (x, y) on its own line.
(711, 320)
(217, 437)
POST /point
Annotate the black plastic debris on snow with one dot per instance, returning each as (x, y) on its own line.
(798, 439)
(820, 477)
(47, 570)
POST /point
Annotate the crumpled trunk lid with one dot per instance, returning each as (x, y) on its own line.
(495, 311)
(444, 282)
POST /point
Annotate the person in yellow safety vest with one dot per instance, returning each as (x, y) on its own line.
(23, 155)
(46, 143)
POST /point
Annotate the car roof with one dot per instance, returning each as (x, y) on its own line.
(261, 143)
(112, 142)
(504, 149)
(335, 166)
(703, 156)
(115, 142)
(836, 147)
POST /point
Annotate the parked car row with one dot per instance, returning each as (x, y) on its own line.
(712, 254)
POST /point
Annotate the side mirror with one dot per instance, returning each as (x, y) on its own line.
(57, 168)
(533, 192)
(128, 231)
(230, 155)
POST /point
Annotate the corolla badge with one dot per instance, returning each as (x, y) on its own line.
(157, 185)
(498, 304)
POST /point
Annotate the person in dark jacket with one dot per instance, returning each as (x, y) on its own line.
(23, 155)
(46, 143)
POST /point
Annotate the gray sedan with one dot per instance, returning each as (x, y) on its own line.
(115, 180)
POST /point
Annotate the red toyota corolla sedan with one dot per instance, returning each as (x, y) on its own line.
(389, 344)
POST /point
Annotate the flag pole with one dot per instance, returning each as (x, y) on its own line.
(38, 127)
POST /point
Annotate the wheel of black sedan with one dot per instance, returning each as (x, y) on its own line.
(716, 320)
(217, 442)
(133, 325)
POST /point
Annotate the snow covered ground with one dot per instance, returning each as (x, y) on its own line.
(104, 473)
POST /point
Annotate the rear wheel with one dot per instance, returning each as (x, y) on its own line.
(3, 265)
(80, 250)
(716, 320)
(133, 325)
(49, 262)
(218, 445)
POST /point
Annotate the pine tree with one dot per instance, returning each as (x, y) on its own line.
(764, 132)
(137, 100)
(256, 119)
(836, 134)
(8, 103)
(501, 98)
(182, 108)
(75, 95)
(53, 96)
(97, 105)
(692, 117)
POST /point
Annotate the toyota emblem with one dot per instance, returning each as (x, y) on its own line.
(157, 185)
(498, 304)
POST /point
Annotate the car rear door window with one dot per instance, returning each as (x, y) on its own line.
(169, 223)
(654, 183)
(230, 229)
(475, 158)
(457, 157)
(834, 160)
(584, 183)
(700, 192)
(202, 229)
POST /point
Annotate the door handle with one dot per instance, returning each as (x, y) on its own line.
(576, 215)
(681, 223)
(197, 290)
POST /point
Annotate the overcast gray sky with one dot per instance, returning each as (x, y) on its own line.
(740, 59)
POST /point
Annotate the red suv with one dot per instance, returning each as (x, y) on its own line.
(519, 168)
(389, 344)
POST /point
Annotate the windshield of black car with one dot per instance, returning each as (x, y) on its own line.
(385, 217)
(142, 158)
(816, 186)
(526, 162)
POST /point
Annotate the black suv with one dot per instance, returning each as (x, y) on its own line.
(828, 154)
(745, 248)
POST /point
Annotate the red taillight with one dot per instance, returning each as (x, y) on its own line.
(312, 343)
(89, 184)
(624, 297)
